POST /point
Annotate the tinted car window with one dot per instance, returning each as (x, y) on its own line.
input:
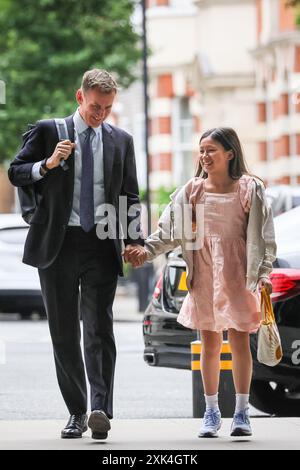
(291, 260)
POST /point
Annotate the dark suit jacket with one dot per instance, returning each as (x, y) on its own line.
(50, 220)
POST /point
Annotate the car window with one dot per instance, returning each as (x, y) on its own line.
(287, 228)
(290, 260)
(296, 201)
(13, 236)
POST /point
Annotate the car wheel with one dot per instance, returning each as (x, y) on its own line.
(273, 398)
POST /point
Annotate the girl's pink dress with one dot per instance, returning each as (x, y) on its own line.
(218, 299)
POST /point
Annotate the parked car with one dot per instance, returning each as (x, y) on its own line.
(19, 283)
(283, 197)
(167, 343)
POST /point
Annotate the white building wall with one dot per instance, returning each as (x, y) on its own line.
(209, 41)
(172, 39)
(130, 111)
(233, 108)
(226, 31)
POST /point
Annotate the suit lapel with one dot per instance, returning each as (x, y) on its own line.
(108, 156)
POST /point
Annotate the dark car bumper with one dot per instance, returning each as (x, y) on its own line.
(21, 301)
(285, 373)
(167, 343)
(168, 356)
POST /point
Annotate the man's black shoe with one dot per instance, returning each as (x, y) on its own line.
(99, 424)
(76, 425)
(99, 435)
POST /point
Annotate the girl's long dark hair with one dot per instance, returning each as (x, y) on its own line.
(228, 138)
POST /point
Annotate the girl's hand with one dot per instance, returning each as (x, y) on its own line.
(265, 282)
(135, 254)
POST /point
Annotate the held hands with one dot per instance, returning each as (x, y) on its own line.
(62, 152)
(135, 254)
(265, 282)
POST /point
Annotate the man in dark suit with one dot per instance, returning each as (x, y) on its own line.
(64, 242)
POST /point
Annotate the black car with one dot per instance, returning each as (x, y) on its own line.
(275, 390)
(167, 342)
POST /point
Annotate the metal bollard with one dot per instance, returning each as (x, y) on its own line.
(226, 387)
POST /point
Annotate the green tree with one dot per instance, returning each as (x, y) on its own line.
(46, 45)
(162, 195)
(294, 3)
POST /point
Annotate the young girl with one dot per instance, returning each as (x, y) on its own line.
(224, 275)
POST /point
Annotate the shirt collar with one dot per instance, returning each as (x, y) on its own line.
(81, 126)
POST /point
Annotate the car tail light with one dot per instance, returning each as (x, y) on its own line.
(286, 283)
(147, 326)
(158, 288)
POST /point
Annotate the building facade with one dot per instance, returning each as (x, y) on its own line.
(277, 87)
(202, 76)
(215, 63)
(224, 63)
(173, 123)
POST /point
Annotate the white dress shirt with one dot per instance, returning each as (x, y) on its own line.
(80, 128)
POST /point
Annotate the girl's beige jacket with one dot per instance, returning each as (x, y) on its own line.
(176, 227)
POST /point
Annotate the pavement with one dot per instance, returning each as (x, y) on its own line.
(126, 305)
(149, 434)
(152, 434)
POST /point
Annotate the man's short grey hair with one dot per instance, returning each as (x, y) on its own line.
(101, 79)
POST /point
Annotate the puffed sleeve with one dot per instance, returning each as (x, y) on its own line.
(194, 190)
(246, 187)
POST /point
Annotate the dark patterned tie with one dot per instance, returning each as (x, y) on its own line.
(87, 184)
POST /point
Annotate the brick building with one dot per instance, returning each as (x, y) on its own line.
(277, 72)
(215, 63)
(173, 123)
(224, 62)
(202, 75)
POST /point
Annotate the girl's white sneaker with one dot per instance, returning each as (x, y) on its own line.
(241, 424)
(211, 424)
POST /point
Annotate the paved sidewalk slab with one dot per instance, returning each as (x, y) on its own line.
(125, 309)
(167, 434)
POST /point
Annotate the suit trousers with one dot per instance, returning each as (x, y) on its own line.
(82, 282)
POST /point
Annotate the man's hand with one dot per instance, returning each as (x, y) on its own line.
(265, 282)
(62, 152)
(135, 254)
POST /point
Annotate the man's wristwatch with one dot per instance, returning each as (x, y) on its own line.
(43, 168)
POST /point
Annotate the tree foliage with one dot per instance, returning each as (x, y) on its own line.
(46, 45)
(292, 3)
